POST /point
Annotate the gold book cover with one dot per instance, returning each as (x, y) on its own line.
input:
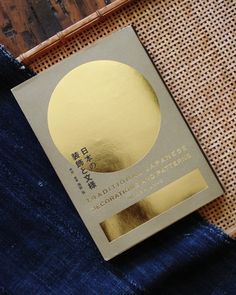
(118, 142)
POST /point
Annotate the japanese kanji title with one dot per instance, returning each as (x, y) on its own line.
(80, 159)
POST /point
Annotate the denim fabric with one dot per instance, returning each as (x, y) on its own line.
(46, 249)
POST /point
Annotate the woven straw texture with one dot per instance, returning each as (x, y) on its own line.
(192, 43)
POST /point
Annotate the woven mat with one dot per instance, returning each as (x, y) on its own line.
(192, 44)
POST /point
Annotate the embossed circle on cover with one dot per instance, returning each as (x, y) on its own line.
(104, 116)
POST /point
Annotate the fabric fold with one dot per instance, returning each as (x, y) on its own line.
(12, 72)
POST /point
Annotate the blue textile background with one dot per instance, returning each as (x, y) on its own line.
(46, 249)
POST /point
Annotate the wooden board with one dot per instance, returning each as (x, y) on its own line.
(26, 23)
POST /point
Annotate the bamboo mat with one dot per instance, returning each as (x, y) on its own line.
(192, 43)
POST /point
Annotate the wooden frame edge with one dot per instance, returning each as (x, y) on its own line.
(61, 36)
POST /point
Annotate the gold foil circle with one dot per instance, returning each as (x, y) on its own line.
(110, 109)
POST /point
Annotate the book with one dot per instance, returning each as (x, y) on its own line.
(118, 142)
